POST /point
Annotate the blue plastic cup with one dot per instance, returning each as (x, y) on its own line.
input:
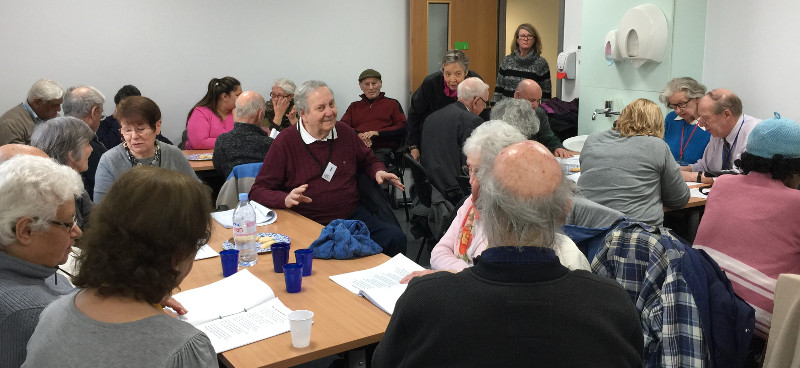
(230, 261)
(293, 273)
(280, 256)
(304, 257)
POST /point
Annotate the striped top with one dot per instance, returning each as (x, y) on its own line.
(750, 229)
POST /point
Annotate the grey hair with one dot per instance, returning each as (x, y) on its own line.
(691, 87)
(519, 113)
(301, 96)
(60, 136)
(471, 87)
(286, 85)
(79, 104)
(489, 138)
(32, 186)
(510, 220)
(251, 107)
(45, 90)
(456, 56)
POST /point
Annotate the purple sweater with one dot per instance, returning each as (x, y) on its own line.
(289, 164)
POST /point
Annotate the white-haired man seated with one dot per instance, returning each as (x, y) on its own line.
(535, 310)
(37, 231)
(43, 103)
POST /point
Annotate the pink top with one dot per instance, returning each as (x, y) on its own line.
(750, 228)
(204, 126)
(444, 255)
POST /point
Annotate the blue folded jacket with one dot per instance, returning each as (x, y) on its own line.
(344, 239)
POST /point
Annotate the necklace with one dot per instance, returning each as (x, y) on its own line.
(156, 159)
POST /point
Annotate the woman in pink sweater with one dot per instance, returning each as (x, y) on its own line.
(213, 115)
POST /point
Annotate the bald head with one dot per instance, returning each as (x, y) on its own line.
(529, 90)
(250, 107)
(527, 169)
(8, 151)
(719, 111)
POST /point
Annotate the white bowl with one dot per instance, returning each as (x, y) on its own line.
(575, 143)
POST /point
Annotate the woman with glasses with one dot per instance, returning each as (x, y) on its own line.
(37, 232)
(686, 142)
(140, 122)
(524, 62)
(129, 266)
(437, 90)
(66, 140)
(629, 168)
(213, 114)
(280, 113)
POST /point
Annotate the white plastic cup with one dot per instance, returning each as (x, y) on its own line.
(300, 327)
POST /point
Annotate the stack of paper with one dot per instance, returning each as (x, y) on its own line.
(381, 284)
(264, 216)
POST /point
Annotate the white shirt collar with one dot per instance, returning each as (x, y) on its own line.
(308, 138)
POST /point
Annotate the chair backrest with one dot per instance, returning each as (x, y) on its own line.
(421, 184)
(783, 346)
(239, 180)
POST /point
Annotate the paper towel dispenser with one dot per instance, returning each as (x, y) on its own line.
(641, 36)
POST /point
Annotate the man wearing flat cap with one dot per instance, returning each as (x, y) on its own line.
(378, 120)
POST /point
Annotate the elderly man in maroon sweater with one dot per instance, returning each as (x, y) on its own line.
(312, 167)
(378, 120)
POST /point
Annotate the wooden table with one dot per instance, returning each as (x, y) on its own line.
(342, 320)
(200, 165)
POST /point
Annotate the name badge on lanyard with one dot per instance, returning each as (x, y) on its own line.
(328, 173)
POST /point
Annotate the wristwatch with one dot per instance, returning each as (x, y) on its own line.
(412, 147)
(699, 176)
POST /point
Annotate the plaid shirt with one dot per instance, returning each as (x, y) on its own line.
(646, 261)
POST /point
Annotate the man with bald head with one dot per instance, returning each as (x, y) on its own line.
(86, 103)
(246, 142)
(43, 103)
(535, 309)
(444, 133)
(721, 115)
(530, 91)
(10, 150)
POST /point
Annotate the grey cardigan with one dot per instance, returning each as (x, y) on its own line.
(634, 175)
(115, 162)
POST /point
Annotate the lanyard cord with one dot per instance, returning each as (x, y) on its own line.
(330, 152)
(682, 146)
(730, 152)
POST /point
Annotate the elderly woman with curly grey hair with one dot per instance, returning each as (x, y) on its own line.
(67, 140)
(686, 142)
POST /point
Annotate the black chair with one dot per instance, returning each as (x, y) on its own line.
(398, 167)
(422, 189)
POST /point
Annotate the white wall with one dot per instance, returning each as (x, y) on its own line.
(171, 49)
(751, 49)
(571, 41)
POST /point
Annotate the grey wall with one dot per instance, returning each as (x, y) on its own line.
(171, 49)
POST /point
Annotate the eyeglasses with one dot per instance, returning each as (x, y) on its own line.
(466, 169)
(681, 105)
(67, 225)
(139, 130)
(274, 95)
(525, 37)
(484, 101)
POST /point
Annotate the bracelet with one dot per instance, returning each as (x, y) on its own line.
(412, 147)
(699, 176)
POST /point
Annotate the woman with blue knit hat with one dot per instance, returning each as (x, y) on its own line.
(750, 222)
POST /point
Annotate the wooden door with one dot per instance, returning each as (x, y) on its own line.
(472, 21)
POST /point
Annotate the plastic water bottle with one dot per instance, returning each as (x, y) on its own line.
(244, 231)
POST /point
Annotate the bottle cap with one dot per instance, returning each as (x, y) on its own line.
(243, 197)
